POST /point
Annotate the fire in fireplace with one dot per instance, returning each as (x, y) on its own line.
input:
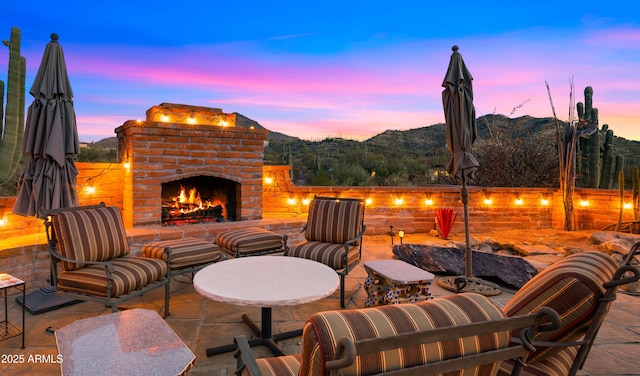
(198, 199)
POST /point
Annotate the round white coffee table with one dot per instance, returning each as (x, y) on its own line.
(265, 281)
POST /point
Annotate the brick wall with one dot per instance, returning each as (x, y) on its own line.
(22, 239)
(281, 199)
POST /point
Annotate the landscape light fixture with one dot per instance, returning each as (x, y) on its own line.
(90, 189)
(401, 235)
(391, 233)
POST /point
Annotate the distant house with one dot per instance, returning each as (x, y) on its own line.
(83, 145)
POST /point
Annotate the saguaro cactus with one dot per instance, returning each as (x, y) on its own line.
(636, 193)
(607, 159)
(12, 119)
(595, 164)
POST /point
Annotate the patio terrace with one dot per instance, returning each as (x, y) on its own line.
(202, 323)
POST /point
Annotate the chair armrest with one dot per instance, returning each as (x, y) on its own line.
(59, 257)
(245, 358)
(358, 237)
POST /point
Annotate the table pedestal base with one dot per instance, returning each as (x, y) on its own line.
(265, 338)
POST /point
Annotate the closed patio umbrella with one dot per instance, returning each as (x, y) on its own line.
(461, 132)
(50, 139)
(51, 142)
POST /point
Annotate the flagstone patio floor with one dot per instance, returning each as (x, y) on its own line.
(202, 323)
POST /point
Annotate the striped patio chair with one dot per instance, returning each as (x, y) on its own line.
(333, 236)
(464, 334)
(580, 288)
(91, 246)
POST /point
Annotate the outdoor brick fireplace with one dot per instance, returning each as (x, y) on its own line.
(178, 148)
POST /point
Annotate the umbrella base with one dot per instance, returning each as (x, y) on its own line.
(43, 300)
(469, 284)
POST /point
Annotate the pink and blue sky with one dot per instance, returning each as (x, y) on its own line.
(334, 68)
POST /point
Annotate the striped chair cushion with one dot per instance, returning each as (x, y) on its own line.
(323, 330)
(129, 274)
(330, 254)
(558, 364)
(249, 241)
(334, 220)
(90, 235)
(571, 287)
(185, 252)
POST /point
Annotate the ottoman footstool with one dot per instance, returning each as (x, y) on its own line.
(251, 241)
(184, 255)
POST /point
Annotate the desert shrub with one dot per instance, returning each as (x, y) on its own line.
(507, 161)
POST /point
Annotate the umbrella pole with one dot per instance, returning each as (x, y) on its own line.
(464, 194)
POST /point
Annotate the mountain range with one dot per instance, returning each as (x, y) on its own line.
(431, 139)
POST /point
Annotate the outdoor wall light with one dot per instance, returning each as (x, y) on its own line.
(488, 201)
(164, 118)
(584, 203)
(127, 165)
(268, 180)
(518, 201)
(291, 201)
(544, 201)
(4, 220)
(428, 201)
(399, 201)
(368, 201)
(90, 189)
(191, 119)
(306, 201)
(391, 233)
(627, 205)
(224, 123)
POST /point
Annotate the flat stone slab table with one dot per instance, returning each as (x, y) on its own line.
(132, 342)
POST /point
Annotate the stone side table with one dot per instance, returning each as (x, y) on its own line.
(132, 342)
(395, 282)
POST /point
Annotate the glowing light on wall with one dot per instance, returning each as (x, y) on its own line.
(544, 202)
(268, 180)
(584, 203)
(627, 205)
(4, 220)
(488, 201)
(306, 201)
(89, 188)
(518, 201)
(291, 201)
(127, 165)
(164, 118)
(428, 201)
(368, 201)
(399, 201)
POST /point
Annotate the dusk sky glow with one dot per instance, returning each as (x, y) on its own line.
(334, 69)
